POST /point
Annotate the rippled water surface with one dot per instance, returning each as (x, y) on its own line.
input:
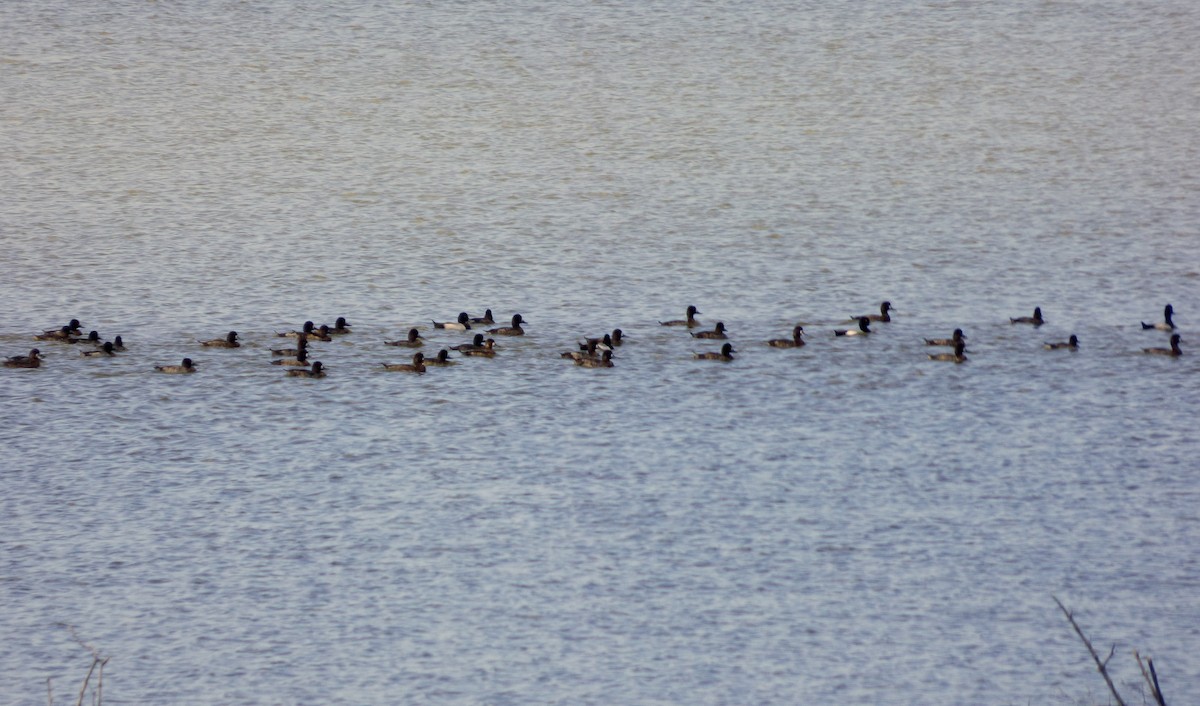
(849, 522)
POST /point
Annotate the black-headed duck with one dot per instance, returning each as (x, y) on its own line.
(604, 361)
(118, 344)
(794, 342)
(1173, 351)
(442, 358)
(718, 332)
(864, 328)
(185, 367)
(1070, 344)
(321, 333)
(475, 344)
(1036, 319)
(414, 340)
(591, 345)
(106, 349)
(883, 316)
(92, 338)
(416, 366)
(485, 319)
(316, 371)
(690, 321)
(955, 357)
(952, 341)
(513, 330)
(726, 353)
(462, 324)
(487, 351)
(33, 360)
(1166, 324)
(230, 341)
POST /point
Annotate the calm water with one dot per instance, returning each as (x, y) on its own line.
(845, 523)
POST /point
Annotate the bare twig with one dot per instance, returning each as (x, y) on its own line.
(1151, 678)
(1100, 665)
(49, 692)
(83, 689)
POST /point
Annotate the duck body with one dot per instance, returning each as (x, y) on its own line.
(604, 361)
(462, 324)
(63, 334)
(1166, 324)
(725, 354)
(864, 328)
(794, 342)
(118, 344)
(104, 350)
(513, 330)
(485, 319)
(1174, 351)
(305, 331)
(690, 321)
(488, 350)
(1070, 344)
(230, 341)
(441, 359)
(316, 371)
(300, 361)
(956, 357)
(300, 349)
(717, 333)
(33, 360)
(185, 367)
(93, 338)
(952, 341)
(341, 327)
(883, 316)
(414, 340)
(416, 366)
(476, 344)
(1035, 320)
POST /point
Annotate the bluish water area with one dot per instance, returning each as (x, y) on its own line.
(848, 522)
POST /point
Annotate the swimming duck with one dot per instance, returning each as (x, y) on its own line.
(63, 334)
(883, 315)
(1072, 344)
(1173, 351)
(230, 341)
(414, 340)
(794, 342)
(305, 331)
(300, 349)
(33, 360)
(118, 344)
(604, 361)
(463, 323)
(487, 351)
(186, 367)
(485, 319)
(956, 357)
(316, 371)
(726, 353)
(104, 350)
(1166, 324)
(93, 338)
(618, 337)
(341, 327)
(514, 330)
(1036, 319)
(300, 361)
(475, 344)
(322, 333)
(952, 341)
(864, 328)
(690, 321)
(416, 366)
(718, 332)
(604, 343)
(442, 358)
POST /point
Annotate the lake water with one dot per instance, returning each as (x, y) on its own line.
(849, 522)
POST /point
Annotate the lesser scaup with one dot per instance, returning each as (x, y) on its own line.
(442, 358)
(305, 331)
(340, 327)
(300, 361)
(864, 328)
(230, 341)
(104, 350)
(718, 332)
(1036, 319)
(1071, 344)
(1173, 351)
(316, 371)
(883, 316)
(475, 344)
(416, 366)
(794, 342)
(487, 351)
(690, 321)
(514, 330)
(1166, 324)
(33, 360)
(955, 357)
(300, 349)
(63, 334)
(952, 341)
(485, 319)
(462, 324)
(726, 353)
(186, 367)
(414, 340)
(604, 361)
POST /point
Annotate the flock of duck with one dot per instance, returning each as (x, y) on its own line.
(591, 353)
